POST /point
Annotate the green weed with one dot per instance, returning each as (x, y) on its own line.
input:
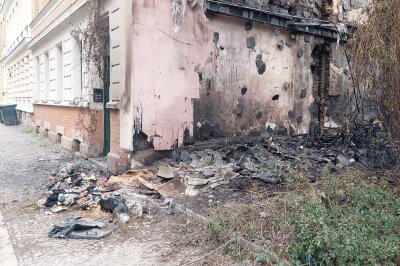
(346, 219)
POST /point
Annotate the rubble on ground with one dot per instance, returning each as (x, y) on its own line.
(266, 158)
(77, 227)
(77, 187)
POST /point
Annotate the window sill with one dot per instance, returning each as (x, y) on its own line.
(112, 105)
(25, 110)
(49, 103)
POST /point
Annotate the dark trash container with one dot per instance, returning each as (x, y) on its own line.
(1, 118)
(8, 114)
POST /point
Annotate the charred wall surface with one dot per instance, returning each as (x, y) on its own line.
(335, 10)
(270, 78)
(216, 75)
(259, 80)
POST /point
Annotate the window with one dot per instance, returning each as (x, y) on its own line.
(37, 77)
(75, 74)
(52, 75)
(46, 77)
(59, 72)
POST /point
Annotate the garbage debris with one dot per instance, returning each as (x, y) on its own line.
(53, 198)
(77, 227)
(270, 178)
(66, 168)
(75, 187)
(129, 179)
(166, 171)
(233, 164)
(173, 188)
(117, 206)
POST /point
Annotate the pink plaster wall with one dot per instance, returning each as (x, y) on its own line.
(169, 98)
(164, 80)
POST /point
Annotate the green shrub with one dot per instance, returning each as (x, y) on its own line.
(344, 219)
(357, 226)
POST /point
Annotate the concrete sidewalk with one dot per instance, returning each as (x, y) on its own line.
(7, 256)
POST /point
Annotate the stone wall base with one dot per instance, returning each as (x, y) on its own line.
(43, 132)
(24, 118)
(54, 137)
(112, 163)
(119, 163)
(66, 143)
(90, 150)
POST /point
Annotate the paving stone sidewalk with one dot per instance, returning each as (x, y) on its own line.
(25, 163)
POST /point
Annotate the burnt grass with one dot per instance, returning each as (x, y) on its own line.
(326, 209)
(266, 163)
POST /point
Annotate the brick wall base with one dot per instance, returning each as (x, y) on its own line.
(77, 129)
(115, 131)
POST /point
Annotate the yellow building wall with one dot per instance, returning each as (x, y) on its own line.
(53, 15)
(37, 6)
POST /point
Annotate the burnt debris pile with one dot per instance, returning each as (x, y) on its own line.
(75, 185)
(268, 159)
(368, 145)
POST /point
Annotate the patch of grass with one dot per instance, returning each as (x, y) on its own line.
(30, 207)
(249, 222)
(345, 219)
(32, 134)
(26, 130)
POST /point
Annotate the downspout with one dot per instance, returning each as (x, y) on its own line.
(81, 63)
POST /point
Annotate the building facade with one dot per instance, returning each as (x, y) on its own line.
(221, 68)
(16, 57)
(168, 73)
(70, 102)
(2, 50)
(48, 72)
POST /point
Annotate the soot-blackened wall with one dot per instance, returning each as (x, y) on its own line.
(259, 79)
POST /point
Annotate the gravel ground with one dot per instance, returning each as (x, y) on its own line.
(25, 163)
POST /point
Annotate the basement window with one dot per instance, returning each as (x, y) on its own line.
(76, 145)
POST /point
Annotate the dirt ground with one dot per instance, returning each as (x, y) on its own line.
(25, 163)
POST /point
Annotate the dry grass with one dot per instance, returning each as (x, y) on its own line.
(278, 227)
(30, 207)
(256, 232)
(375, 50)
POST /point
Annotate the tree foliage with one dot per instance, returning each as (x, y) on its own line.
(375, 62)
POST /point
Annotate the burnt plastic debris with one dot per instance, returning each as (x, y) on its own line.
(53, 198)
(77, 227)
(117, 206)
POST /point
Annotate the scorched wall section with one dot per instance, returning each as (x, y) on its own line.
(216, 77)
(259, 80)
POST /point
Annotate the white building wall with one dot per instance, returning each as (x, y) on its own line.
(32, 77)
(63, 74)
(16, 57)
(42, 78)
(77, 84)
(121, 22)
(17, 18)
